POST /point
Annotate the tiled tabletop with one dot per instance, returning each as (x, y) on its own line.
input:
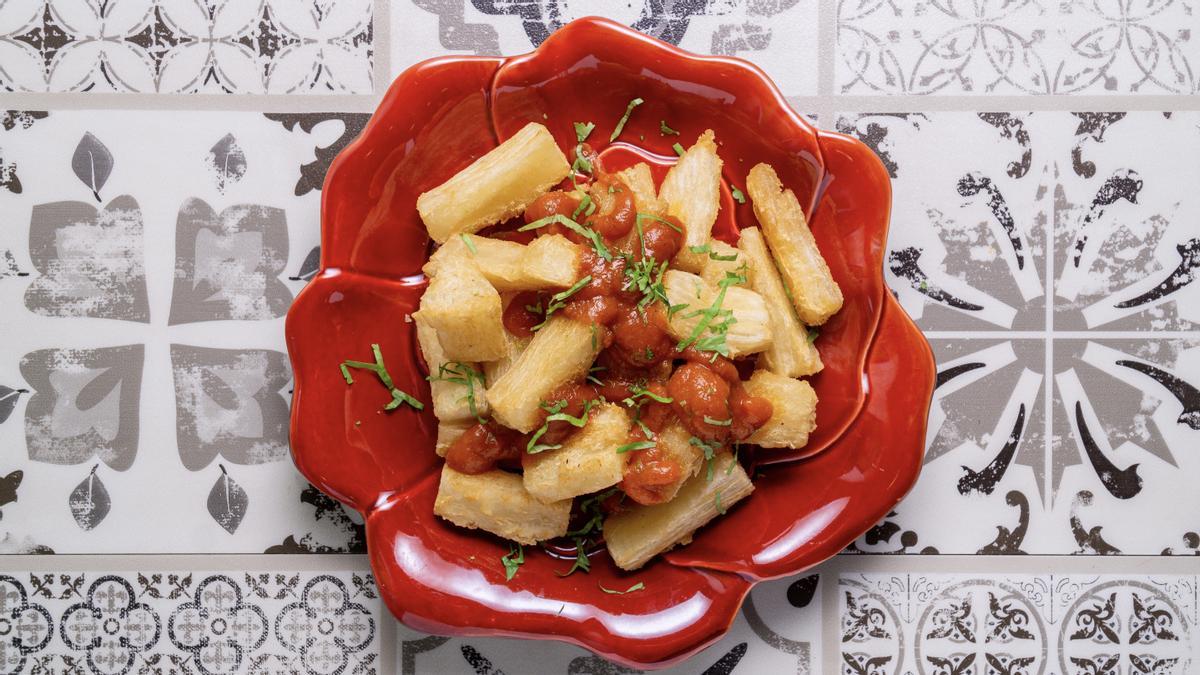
(160, 174)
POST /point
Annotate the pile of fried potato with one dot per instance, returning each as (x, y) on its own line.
(499, 376)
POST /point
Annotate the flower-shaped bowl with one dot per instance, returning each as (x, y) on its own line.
(438, 117)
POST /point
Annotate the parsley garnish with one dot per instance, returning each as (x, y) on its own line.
(466, 375)
(583, 535)
(646, 276)
(586, 232)
(637, 392)
(737, 194)
(710, 453)
(720, 509)
(467, 240)
(664, 221)
(813, 334)
(398, 397)
(712, 254)
(583, 130)
(594, 369)
(513, 561)
(636, 587)
(718, 423)
(636, 445)
(671, 309)
(593, 337)
(625, 118)
(716, 341)
(556, 415)
(581, 164)
(559, 300)
(666, 130)
(586, 206)
(678, 149)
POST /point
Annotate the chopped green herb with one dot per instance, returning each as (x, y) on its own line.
(584, 533)
(581, 164)
(715, 341)
(636, 587)
(624, 118)
(718, 423)
(671, 309)
(813, 334)
(584, 231)
(678, 149)
(513, 561)
(534, 309)
(698, 250)
(470, 244)
(710, 453)
(582, 130)
(457, 372)
(399, 397)
(737, 194)
(717, 499)
(638, 391)
(559, 300)
(664, 221)
(646, 277)
(556, 415)
(594, 345)
(637, 445)
(642, 425)
(666, 130)
(729, 469)
(583, 206)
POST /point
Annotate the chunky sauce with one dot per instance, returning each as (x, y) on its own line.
(637, 352)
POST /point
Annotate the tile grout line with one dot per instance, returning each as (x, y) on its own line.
(830, 619)
(382, 46)
(1048, 492)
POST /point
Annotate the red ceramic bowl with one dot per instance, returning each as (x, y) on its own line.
(441, 115)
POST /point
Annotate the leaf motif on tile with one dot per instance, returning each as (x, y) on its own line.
(349, 535)
(89, 501)
(9, 485)
(310, 266)
(11, 119)
(92, 163)
(984, 481)
(1120, 483)
(1183, 274)
(227, 501)
(905, 264)
(227, 162)
(800, 592)
(9, 268)
(8, 400)
(9, 180)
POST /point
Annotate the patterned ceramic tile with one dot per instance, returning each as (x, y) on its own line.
(948, 624)
(189, 621)
(778, 631)
(778, 35)
(187, 46)
(144, 383)
(1103, 465)
(1021, 47)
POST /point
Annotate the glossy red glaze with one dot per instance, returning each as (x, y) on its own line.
(439, 116)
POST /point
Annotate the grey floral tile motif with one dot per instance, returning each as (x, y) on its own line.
(228, 403)
(89, 260)
(1030, 47)
(227, 264)
(186, 621)
(29, 624)
(942, 624)
(80, 403)
(82, 400)
(779, 36)
(1051, 426)
(187, 46)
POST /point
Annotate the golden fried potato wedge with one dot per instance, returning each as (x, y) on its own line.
(791, 354)
(692, 193)
(587, 461)
(794, 414)
(560, 352)
(497, 502)
(750, 330)
(466, 312)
